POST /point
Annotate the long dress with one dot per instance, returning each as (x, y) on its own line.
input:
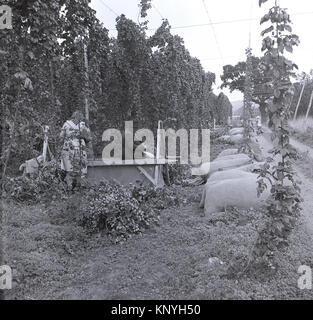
(74, 151)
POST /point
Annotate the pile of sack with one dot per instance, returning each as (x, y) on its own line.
(235, 136)
(231, 183)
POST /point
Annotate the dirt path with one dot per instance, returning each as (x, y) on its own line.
(306, 183)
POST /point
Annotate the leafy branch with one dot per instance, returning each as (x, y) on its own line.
(284, 203)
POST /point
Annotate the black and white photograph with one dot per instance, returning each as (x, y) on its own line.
(156, 150)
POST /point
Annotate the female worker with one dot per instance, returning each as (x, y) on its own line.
(75, 135)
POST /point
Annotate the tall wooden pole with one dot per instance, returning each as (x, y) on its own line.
(158, 152)
(309, 107)
(248, 91)
(90, 152)
(86, 84)
(45, 143)
(298, 105)
(2, 235)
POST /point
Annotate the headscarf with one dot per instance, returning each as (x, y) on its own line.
(77, 117)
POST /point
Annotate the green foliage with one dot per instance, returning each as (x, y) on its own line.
(248, 96)
(248, 146)
(234, 78)
(261, 2)
(131, 76)
(113, 209)
(157, 198)
(46, 185)
(224, 109)
(284, 204)
(179, 174)
(121, 211)
(145, 5)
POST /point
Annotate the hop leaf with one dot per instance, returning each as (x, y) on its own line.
(271, 28)
(261, 2)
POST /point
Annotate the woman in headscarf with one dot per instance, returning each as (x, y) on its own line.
(75, 135)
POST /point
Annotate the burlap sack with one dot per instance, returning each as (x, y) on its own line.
(232, 157)
(236, 131)
(236, 139)
(228, 174)
(251, 167)
(240, 193)
(225, 139)
(223, 175)
(223, 164)
(227, 152)
(32, 166)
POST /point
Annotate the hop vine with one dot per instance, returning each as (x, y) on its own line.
(247, 111)
(284, 205)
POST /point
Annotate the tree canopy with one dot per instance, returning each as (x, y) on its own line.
(234, 78)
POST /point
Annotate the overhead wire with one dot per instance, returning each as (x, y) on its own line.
(158, 11)
(219, 22)
(227, 22)
(109, 8)
(211, 23)
(250, 25)
(213, 29)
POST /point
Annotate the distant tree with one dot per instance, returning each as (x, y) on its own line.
(224, 108)
(234, 79)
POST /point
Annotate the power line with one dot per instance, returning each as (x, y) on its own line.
(109, 8)
(222, 22)
(214, 33)
(158, 11)
(229, 21)
(242, 56)
(250, 25)
(202, 24)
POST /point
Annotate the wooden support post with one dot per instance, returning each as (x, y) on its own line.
(45, 144)
(86, 84)
(90, 152)
(147, 175)
(298, 105)
(158, 152)
(309, 107)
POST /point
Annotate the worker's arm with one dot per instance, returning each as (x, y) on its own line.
(85, 133)
(63, 134)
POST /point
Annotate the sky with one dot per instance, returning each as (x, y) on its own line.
(217, 32)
